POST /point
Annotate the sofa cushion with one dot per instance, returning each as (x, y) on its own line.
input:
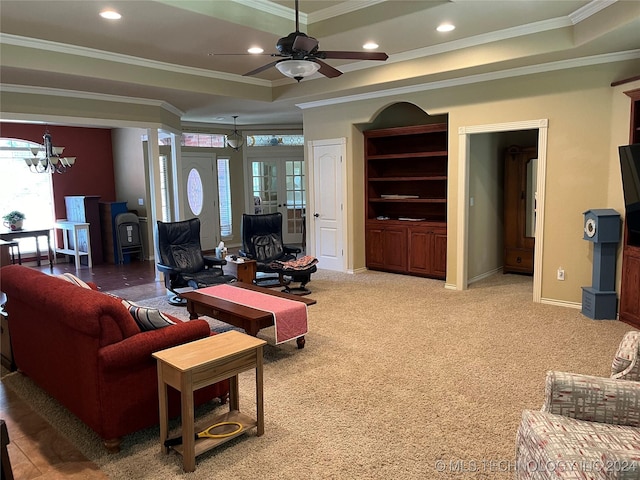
(625, 364)
(147, 318)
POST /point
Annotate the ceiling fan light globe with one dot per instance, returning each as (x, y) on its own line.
(297, 68)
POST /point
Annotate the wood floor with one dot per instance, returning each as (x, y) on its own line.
(36, 450)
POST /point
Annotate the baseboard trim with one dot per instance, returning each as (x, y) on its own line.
(561, 303)
(484, 275)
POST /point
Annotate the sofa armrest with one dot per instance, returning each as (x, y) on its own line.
(594, 399)
(138, 348)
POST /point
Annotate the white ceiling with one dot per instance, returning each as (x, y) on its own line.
(161, 50)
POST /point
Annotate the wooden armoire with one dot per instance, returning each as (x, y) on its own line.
(519, 209)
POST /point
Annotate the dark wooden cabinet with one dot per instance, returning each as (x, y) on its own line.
(428, 251)
(519, 241)
(629, 309)
(387, 248)
(406, 199)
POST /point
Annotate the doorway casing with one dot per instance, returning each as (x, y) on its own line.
(464, 155)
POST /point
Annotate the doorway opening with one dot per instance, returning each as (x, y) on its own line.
(482, 227)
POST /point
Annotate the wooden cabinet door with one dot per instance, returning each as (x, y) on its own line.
(630, 287)
(420, 251)
(374, 239)
(439, 257)
(428, 252)
(395, 249)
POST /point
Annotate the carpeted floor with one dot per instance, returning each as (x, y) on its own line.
(397, 374)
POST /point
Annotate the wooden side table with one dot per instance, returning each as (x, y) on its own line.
(244, 271)
(195, 365)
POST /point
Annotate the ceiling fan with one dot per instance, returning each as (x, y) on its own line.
(300, 56)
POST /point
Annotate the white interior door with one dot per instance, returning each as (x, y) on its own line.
(199, 193)
(326, 221)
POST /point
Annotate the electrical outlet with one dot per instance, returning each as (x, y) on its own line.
(561, 274)
(141, 201)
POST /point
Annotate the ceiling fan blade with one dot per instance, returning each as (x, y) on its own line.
(261, 69)
(354, 55)
(302, 43)
(327, 70)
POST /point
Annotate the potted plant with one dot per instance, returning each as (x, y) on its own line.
(13, 220)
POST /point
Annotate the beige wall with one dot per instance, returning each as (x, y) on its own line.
(581, 162)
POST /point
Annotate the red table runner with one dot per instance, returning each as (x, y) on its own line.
(289, 316)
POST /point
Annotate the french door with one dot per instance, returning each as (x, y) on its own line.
(277, 184)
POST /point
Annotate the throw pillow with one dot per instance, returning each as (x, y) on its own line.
(625, 363)
(71, 278)
(147, 318)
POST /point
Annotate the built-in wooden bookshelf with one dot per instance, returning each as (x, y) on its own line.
(406, 199)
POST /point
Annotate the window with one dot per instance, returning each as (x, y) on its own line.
(224, 194)
(20, 189)
(164, 189)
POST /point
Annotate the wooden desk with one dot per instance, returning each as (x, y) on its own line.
(74, 228)
(11, 235)
(195, 365)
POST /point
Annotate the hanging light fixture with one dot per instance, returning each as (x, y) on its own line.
(235, 140)
(297, 69)
(49, 159)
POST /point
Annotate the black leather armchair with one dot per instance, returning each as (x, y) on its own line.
(182, 261)
(262, 242)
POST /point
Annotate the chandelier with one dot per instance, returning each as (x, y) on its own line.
(235, 140)
(48, 159)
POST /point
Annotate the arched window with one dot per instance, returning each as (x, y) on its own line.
(20, 189)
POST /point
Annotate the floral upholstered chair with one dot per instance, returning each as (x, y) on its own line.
(589, 427)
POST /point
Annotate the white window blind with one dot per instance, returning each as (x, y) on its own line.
(224, 194)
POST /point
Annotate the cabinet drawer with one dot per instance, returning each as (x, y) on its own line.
(518, 260)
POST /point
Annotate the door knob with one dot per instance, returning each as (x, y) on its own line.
(316, 215)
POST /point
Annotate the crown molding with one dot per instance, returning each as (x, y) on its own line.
(340, 9)
(307, 19)
(64, 48)
(482, 77)
(103, 97)
(589, 9)
(274, 9)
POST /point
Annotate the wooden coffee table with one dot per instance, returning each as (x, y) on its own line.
(252, 320)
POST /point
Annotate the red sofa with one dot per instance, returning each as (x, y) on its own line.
(84, 349)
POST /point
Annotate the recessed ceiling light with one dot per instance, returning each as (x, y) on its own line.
(370, 45)
(255, 50)
(445, 27)
(110, 15)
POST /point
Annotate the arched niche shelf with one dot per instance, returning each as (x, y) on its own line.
(401, 114)
(406, 167)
